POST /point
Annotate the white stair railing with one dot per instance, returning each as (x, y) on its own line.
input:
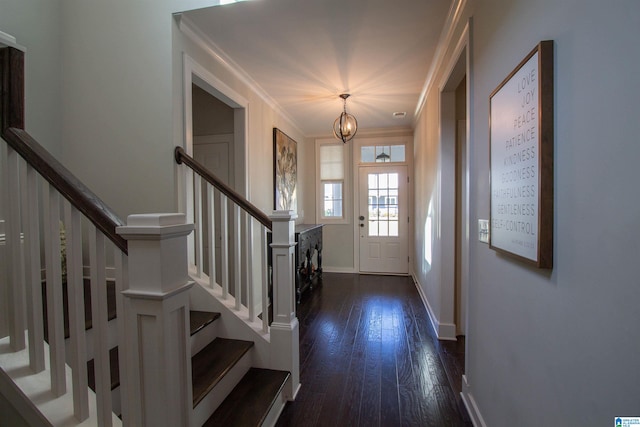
(43, 220)
(243, 236)
(41, 198)
(224, 218)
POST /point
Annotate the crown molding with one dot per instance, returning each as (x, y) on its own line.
(453, 18)
(197, 36)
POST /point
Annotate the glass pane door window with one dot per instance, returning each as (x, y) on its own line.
(382, 204)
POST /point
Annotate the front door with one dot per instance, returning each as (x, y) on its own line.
(383, 219)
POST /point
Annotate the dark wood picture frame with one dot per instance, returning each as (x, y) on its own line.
(285, 171)
(521, 128)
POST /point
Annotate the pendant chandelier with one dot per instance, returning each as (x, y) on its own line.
(345, 126)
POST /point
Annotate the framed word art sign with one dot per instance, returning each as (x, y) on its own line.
(521, 146)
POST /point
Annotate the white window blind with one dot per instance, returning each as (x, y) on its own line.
(331, 162)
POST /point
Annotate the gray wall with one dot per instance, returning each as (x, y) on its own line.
(210, 115)
(556, 347)
(36, 26)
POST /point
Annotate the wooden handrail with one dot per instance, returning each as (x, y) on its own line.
(182, 157)
(67, 184)
(12, 123)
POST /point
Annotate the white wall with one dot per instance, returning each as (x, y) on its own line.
(109, 82)
(118, 103)
(555, 347)
(262, 118)
(36, 26)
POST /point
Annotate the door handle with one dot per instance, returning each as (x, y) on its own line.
(361, 225)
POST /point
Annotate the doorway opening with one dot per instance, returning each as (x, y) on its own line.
(215, 135)
(455, 193)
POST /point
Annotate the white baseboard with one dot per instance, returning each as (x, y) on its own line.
(471, 405)
(444, 331)
(338, 270)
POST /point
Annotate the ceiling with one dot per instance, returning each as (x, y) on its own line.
(304, 53)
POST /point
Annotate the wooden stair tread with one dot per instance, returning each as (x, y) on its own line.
(211, 364)
(115, 370)
(199, 319)
(250, 401)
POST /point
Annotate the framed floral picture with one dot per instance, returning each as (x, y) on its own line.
(285, 171)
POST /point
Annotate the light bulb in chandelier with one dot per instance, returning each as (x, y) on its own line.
(345, 126)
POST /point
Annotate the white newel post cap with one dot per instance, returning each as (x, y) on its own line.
(283, 224)
(157, 252)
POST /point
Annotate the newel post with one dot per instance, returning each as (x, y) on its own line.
(156, 308)
(285, 353)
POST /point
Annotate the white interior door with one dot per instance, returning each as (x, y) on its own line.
(383, 219)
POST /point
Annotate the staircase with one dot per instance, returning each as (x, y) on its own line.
(221, 364)
(140, 330)
(259, 389)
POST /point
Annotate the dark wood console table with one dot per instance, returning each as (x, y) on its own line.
(308, 257)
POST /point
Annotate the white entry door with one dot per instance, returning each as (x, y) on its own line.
(383, 219)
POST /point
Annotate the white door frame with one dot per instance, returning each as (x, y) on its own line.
(194, 73)
(407, 141)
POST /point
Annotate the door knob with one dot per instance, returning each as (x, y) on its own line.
(361, 217)
(361, 225)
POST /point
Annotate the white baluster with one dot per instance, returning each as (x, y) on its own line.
(211, 236)
(75, 296)
(198, 222)
(249, 268)
(33, 273)
(55, 325)
(265, 279)
(99, 317)
(224, 246)
(237, 250)
(121, 261)
(15, 293)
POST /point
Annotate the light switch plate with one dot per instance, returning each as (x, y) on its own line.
(483, 230)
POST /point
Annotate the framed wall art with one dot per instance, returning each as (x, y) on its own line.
(521, 160)
(285, 171)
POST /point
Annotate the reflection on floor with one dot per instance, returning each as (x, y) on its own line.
(369, 357)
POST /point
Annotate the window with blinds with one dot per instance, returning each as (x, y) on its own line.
(332, 180)
(331, 168)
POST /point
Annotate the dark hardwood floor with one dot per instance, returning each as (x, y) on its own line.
(368, 357)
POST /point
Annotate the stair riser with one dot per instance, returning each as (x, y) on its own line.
(204, 336)
(275, 411)
(210, 403)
